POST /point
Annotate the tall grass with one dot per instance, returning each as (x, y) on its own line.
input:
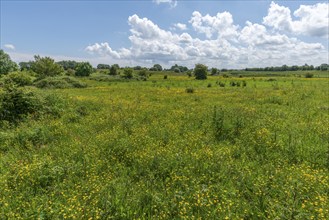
(145, 150)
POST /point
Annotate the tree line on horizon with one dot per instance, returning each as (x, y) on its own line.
(85, 68)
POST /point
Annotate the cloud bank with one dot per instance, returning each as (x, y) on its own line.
(221, 43)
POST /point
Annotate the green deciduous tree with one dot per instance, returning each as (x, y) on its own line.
(200, 71)
(83, 69)
(46, 66)
(6, 64)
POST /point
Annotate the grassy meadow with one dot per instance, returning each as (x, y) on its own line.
(175, 148)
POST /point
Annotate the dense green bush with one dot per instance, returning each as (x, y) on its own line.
(70, 72)
(143, 73)
(19, 78)
(214, 71)
(83, 69)
(309, 75)
(46, 66)
(52, 83)
(177, 70)
(221, 84)
(114, 70)
(128, 73)
(16, 104)
(200, 71)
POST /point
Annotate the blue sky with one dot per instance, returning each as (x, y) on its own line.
(227, 34)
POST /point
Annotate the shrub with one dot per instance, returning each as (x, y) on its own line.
(70, 72)
(104, 71)
(51, 83)
(46, 66)
(232, 83)
(200, 71)
(309, 75)
(142, 73)
(59, 83)
(114, 70)
(209, 85)
(221, 84)
(244, 83)
(128, 73)
(83, 69)
(189, 73)
(20, 79)
(177, 70)
(214, 71)
(16, 103)
(74, 83)
(165, 77)
(102, 78)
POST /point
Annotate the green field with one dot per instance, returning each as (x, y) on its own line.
(175, 148)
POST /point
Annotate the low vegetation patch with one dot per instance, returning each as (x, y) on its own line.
(59, 83)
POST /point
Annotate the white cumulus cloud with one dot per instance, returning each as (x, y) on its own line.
(272, 49)
(220, 25)
(9, 46)
(180, 26)
(311, 20)
(102, 49)
(226, 45)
